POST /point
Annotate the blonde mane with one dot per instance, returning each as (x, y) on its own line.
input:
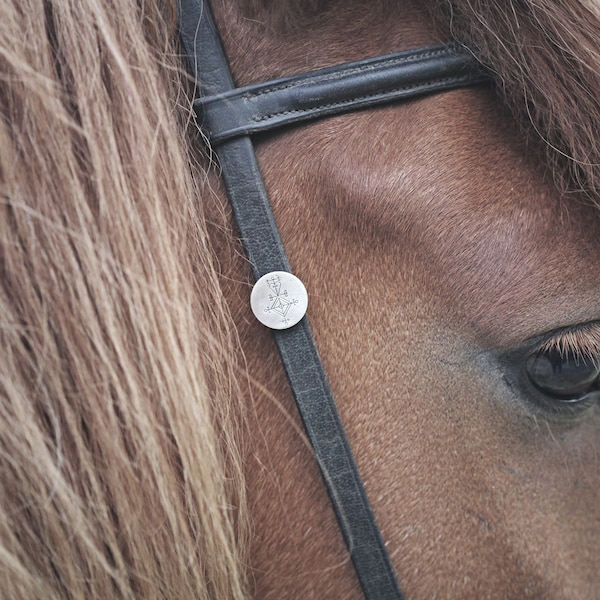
(118, 466)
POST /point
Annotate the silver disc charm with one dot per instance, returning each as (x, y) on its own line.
(279, 300)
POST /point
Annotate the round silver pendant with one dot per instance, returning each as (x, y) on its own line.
(279, 300)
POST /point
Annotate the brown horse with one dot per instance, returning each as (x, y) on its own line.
(149, 444)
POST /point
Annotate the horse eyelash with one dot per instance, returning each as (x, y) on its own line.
(581, 342)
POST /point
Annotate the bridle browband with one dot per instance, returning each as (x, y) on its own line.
(229, 116)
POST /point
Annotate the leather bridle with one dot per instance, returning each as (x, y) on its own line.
(229, 116)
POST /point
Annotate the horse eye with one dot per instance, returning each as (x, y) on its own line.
(565, 376)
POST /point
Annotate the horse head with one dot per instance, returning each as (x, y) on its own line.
(150, 446)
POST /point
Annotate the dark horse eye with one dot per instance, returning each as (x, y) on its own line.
(565, 376)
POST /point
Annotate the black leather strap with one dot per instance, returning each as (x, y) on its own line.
(296, 346)
(351, 86)
(229, 116)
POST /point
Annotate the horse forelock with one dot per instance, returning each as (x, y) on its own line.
(547, 66)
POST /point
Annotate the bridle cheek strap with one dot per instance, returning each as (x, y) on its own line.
(229, 116)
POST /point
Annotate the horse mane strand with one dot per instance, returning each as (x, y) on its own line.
(119, 472)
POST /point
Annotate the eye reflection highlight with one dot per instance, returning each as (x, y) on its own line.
(565, 375)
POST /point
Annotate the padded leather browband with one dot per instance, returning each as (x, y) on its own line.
(351, 86)
(228, 117)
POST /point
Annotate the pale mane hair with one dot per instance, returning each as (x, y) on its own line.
(120, 470)
(118, 460)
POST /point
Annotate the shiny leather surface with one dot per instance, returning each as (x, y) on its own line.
(352, 86)
(228, 117)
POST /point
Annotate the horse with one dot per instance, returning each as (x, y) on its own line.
(150, 444)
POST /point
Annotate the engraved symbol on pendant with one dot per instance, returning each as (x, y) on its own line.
(279, 300)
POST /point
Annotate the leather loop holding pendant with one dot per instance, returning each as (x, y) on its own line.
(229, 116)
(296, 345)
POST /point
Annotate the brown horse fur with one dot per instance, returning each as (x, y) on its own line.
(127, 423)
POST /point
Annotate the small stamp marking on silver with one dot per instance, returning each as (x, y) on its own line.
(279, 300)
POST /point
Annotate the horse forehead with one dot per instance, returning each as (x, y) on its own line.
(449, 185)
